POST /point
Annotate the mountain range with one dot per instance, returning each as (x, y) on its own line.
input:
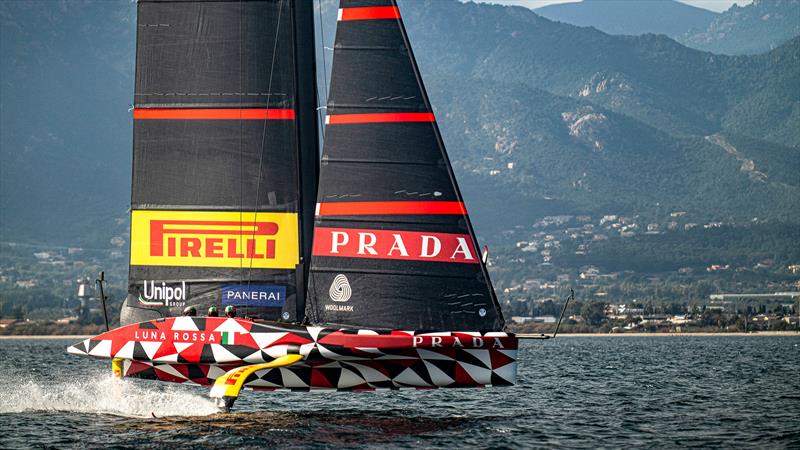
(605, 122)
(668, 17)
(758, 27)
(539, 118)
(66, 84)
(754, 28)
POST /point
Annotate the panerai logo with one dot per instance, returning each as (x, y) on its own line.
(163, 294)
(254, 295)
(340, 292)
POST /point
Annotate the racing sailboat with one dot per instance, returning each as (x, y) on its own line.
(359, 270)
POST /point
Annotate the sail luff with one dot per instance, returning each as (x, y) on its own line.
(450, 172)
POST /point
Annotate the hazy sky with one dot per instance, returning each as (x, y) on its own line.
(714, 5)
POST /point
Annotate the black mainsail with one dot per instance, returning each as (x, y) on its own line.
(393, 244)
(224, 157)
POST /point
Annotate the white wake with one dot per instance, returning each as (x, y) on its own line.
(102, 394)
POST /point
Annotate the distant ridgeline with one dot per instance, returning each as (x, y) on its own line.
(669, 17)
(540, 117)
(746, 30)
(757, 27)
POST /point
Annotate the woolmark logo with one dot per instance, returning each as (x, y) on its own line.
(163, 294)
(340, 289)
(339, 292)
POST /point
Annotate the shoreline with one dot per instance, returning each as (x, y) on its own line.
(683, 334)
(567, 335)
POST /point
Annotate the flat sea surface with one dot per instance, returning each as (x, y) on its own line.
(572, 392)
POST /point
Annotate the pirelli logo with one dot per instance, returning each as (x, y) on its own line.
(214, 239)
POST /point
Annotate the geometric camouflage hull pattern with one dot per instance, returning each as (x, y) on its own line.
(200, 349)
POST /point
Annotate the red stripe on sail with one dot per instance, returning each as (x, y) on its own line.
(369, 13)
(212, 114)
(381, 118)
(389, 208)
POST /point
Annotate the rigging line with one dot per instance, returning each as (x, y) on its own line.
(322, 104)
(241, 154)
(324, 59)
(264, 133)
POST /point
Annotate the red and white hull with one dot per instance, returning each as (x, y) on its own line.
(201, 349)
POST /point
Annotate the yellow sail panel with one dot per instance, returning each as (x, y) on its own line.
(261, 240)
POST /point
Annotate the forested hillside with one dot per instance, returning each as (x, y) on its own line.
(622, 164)
(553, 117)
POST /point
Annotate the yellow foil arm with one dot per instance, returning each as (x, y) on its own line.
(228, 386)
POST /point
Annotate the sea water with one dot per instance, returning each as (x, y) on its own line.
(573, 392)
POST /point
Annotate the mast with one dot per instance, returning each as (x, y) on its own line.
(307, 142)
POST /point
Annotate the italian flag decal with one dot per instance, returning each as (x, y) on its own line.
(227, 337)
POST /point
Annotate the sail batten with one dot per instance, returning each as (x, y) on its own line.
(389, 208)
(391, 117)
(369, 13)
(393, 246)
(213, 114)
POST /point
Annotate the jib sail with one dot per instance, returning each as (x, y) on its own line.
(393, 245)
(224, 157)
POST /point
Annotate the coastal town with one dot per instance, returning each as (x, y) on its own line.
(635, 275)
(533, 271)
(598, 317)
(669, 272)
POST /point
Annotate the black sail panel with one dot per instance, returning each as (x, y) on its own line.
(393, 245)
(216, 201)
(214, 53)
